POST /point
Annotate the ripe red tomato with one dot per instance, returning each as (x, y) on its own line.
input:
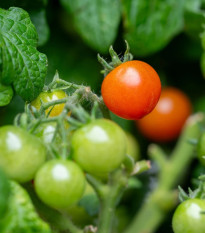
(131, 90)
(165, 122)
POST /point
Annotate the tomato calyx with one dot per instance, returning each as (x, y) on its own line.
(116, 60)
(198, 193)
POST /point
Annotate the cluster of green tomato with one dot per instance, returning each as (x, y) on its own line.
(97, 148)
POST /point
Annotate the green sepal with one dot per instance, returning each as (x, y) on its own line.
(197, 193)
(116, 60)
(6, 94)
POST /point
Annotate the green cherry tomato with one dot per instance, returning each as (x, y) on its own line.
(21, 153)
(60, 183)
(99, 147)
(201, 149)
(46, 97)
(189, 217)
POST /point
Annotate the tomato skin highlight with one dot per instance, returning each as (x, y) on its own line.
(165, 122)
(131, 90)
(21, 153)
(188, 218)
(60, 183)
(99, 147)
(48, 97)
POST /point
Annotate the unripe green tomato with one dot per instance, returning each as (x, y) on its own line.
(201, 149)
(189, 217)
(133, 148)
(60, 183)
(21, 153)
(99, 147)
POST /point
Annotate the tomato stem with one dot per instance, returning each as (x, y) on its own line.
(109, 198)
(58, 84)
(156, 153)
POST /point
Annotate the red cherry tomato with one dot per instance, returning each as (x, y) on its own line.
(131, 90)
(165, 122)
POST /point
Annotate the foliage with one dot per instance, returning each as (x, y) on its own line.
(39, 37)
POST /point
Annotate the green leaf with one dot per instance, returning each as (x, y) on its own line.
(22, 64)
(39, 20)
(6, 94)
(150, 25)
(193, 4)
(194, 18)
(4, 193)
(194, 22)
(90, 203)
(96, 21)
(21, 216)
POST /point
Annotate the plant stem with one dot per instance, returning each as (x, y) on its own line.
(163, 198)
(109, 197)
(94, 98)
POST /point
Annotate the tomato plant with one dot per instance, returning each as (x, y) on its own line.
(165, 122)
(59, 183)
(131, 90)
(201, 149)
(46, 97)
(189, 217)
(21, 153)
(99, 147)
(84, 147)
